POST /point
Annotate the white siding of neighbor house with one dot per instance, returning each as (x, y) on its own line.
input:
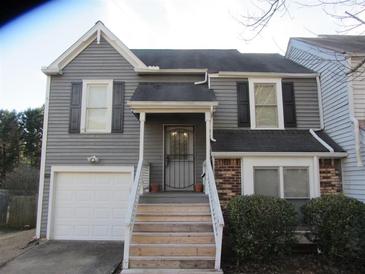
(358, 87)
(336, 108)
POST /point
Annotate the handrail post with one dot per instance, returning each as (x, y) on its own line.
(134, 194)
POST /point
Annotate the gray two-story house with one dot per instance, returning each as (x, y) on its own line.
(121, 122)
(339, 59)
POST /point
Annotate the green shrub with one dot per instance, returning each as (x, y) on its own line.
(338, 227)
(261, 228)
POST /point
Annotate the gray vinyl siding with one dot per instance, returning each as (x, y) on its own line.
(336, 112)
(306, 101)
(96, 62)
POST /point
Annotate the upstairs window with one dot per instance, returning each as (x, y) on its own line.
(266, 104)
(96, 106)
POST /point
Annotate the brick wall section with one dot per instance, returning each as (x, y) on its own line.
(330, 176)
(228, 179)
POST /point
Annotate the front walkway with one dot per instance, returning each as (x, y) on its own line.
(56, 257)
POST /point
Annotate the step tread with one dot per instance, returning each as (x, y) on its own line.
(172, 245)
(171, 270)
(173, 214)
(171, 258)
(150, 233)
(175, 204)
(172, 223)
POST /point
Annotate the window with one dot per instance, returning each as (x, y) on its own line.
(266, 103)
(96, 106)
(266, 181)
(266, 109)
(296, 182)
(293, 180)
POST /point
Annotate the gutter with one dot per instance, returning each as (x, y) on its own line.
(233, 74)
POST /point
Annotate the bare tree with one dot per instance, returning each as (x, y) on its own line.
(348, 13)
(258, 18)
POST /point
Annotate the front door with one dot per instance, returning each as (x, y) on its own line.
(179, 158)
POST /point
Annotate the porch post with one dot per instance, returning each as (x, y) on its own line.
(142, 119)
(207, 135)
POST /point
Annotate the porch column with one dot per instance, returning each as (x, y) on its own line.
(142, 119)
(207, 135)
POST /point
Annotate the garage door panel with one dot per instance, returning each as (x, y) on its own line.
(90, 206)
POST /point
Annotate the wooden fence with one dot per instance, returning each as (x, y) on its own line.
(17, 211)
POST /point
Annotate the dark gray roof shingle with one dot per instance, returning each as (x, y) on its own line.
(270, 141)
(218, 60)
(339, 43)
(172, 92)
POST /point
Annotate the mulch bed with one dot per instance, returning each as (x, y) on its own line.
(294, 264)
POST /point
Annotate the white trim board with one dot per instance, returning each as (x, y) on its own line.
(248, 163)
(43, 160)
(172, 106)
(230, 154)
(78, 169)
(84, 98)
(279, 100)
(94, 33)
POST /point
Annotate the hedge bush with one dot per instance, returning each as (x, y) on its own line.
(261, 228)
(338, 227)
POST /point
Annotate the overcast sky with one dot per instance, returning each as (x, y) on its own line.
(37, 38)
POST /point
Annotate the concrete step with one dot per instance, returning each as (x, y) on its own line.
(172, 271)
(174, 217)
(173, 227)
(172, 262)
(173, 238)
(172, 249)
(174, 197)
(202, 208)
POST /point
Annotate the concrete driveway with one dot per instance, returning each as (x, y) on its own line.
(71, 257)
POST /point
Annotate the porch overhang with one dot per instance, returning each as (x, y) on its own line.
(171, 106)
(172, 98)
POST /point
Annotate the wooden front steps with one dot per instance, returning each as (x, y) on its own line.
(171, 237)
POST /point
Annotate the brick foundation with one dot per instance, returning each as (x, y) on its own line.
(330, 176)
(228, 179)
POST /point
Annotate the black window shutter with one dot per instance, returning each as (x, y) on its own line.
(118, 107)
(75, 108)
(290, 119)
(243, 104)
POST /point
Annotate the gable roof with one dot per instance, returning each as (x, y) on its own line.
(216, 60)
(95, 32)
(289, 140)
(172, 92)
(354, 44)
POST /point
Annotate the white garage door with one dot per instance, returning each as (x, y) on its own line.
(89, 206)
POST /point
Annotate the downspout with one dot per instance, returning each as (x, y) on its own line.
(204, 81)
(211, 125)
(353, 119)
(357, 140)
(319, 91)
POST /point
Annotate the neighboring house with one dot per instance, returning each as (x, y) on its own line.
(339, 59)
(118, 120)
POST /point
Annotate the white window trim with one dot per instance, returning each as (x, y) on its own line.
(85, 83)
(248, 164)
(279, 100)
